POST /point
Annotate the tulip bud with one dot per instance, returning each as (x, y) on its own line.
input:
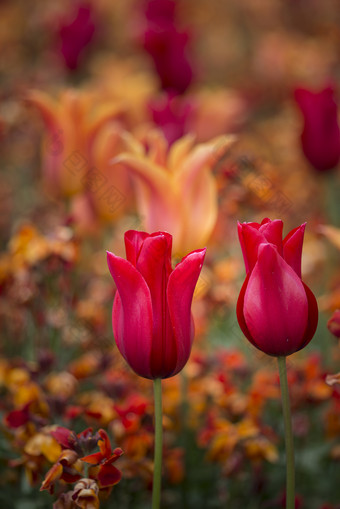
(276, 311)
(321, 135)
(151, 316)
(75, 36)
(168, 46)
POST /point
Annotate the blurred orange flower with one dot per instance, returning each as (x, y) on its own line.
(73, 123)
(175, 188)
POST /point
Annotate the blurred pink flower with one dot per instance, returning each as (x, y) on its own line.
(170, 114)
(76, 35)
(321, 134)
(167, 46)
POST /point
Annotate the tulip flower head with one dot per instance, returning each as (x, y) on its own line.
(175, 188)
(167, 46)
(321, 134)
(170, 114)
(75, 36)
(73, 124)
(276, 311)
(151, 316)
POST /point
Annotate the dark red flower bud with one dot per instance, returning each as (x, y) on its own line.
(321, 135)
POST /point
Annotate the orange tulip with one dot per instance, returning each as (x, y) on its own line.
(175, 188)
(72, 127)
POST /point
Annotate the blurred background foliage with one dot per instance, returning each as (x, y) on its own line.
(82, 84)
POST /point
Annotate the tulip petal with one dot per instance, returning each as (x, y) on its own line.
(181, 286)
(155, 191)
(131, 315)
(321, 135)
(272, 231)
(275, 304)
(198, 195)
(292, 248)
(104, 114)
(239, 312)
(203, 155)
(158, 147)
(154, 263)
(251, 235)
(179, 150)
(250, 238)
(133, 242)
(312, 317)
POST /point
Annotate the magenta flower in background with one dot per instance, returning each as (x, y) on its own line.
(167, 46)
(321, 135)
(76, 35)
(160, 12)
(276, 311)
(170, 113)
(151, 316)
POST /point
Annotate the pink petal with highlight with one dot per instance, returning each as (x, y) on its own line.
(132, 315)
(292, 248)
(275, 304)
(181, 286)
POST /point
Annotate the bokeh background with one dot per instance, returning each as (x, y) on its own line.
(80, 85)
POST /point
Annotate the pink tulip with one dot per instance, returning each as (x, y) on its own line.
(321, 135)
(170, 114)
(167, 46)
(76, 35)
(151, 316)
(276, 311)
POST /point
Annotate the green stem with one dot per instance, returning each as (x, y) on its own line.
(185, 437)
(290, 465)
(157, 472)
(331, 204)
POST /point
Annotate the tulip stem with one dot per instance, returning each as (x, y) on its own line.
(157, 472)
(290, 464)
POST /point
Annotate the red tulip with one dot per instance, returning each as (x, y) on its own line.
(170, 114)
(321, 135)
(151, 316)
(276, 311)
(167, 46)
(75, 36)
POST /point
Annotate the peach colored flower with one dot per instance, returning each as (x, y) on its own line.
(72, 123)
(175, 188)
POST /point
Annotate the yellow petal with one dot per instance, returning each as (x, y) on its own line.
(204, 154)
(179, 150)
(158, 147)
(156, 194)
(198, 191)
(104, 114)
